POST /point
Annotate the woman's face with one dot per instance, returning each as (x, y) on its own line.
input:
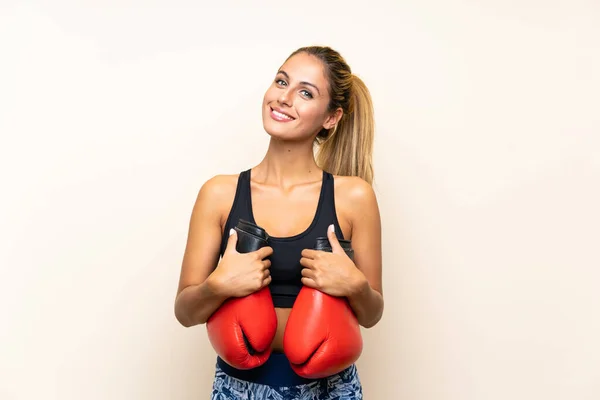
(295, 107)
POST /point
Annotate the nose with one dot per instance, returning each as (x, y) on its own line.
(285, 98)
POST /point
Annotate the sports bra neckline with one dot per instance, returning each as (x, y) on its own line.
(315, 218)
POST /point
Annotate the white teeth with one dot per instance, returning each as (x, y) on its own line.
(282, 115)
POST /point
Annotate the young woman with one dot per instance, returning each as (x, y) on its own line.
(296, 196)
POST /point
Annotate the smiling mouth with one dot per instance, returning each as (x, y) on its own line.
(281, 116)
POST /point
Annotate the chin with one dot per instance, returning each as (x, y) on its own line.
(289, 131)
(277, 129)
(278, 132)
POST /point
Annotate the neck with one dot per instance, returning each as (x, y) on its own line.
(288, 163)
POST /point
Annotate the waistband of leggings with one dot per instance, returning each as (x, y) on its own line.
(276, 371)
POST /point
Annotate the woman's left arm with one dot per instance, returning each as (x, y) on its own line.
(334, 272)
(366, 295)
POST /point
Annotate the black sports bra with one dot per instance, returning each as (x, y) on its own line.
(285, 260)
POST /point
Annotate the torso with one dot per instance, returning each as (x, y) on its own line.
(270, 207)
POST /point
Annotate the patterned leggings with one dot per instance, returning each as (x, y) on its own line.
(343, 386)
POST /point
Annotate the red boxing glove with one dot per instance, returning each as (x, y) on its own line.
(322, 336)
(242, 329)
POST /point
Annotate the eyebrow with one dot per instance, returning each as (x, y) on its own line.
(303, 82)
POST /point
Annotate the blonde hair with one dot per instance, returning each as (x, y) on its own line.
(347, 148)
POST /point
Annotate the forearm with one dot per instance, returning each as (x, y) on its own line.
(367, 304)
(195, 304)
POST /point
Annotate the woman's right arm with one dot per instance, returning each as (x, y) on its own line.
(198, 294)
(205, 282)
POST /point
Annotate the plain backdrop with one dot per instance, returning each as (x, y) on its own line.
(487, 158)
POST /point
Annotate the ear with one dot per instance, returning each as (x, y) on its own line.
(333, 118)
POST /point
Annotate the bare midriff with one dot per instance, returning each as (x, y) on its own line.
(282, 317)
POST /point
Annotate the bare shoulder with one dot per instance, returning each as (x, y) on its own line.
(356, 204)
(217, 194)
(205, 229)
(354, 192)
(219, 186)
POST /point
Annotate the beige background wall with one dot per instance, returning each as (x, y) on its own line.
(113, 113)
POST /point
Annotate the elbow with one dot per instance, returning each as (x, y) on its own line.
(187, 320)
(181, 317)
(192, 308)
(374, 317)
(184, 316)
(371, 323)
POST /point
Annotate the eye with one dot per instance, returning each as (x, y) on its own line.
(280, 82)
(306, 93)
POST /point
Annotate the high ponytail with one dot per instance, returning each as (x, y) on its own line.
(347, 148)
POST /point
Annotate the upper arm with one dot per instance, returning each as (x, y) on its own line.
(363, 213)
(205, 232)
